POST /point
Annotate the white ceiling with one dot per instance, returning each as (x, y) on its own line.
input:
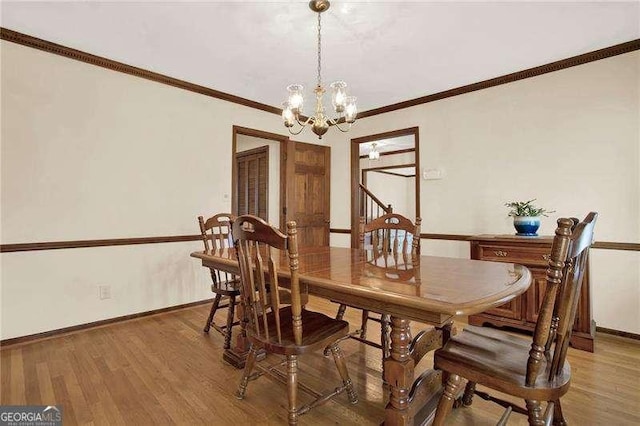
(387, 52)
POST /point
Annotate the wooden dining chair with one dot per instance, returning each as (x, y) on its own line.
(536, 372)
(216, 234)
(385, 237)
(288, 330)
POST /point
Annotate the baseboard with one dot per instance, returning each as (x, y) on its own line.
(55, 333)
(618, 333)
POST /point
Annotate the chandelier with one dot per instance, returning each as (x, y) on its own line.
(343, 105)
(374, 154)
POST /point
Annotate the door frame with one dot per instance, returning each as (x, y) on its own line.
(283, 140)
(355, 171)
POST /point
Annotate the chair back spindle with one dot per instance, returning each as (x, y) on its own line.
(216, 231)
(495, 359)
(390, 246)
(278, 328)
(567, 264)
(390, 233)
(216, 235)
(259, 247)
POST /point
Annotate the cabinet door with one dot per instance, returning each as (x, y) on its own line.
(512, 309)
(535, 294)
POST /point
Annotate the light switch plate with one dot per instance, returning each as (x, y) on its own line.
(432, 174)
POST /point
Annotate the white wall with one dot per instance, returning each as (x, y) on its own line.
(570, 138)
(48, 290)
(89, 153)
(399, 191)
(245, 143)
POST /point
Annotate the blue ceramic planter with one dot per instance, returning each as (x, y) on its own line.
(526, 225)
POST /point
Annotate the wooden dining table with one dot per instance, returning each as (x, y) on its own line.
(428, 289)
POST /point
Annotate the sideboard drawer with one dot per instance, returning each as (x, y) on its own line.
(522, 255)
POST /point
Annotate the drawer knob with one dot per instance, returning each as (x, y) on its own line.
(501, 253)
(546, 257)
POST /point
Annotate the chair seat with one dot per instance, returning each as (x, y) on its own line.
(318, 331)
(498, 360)
(226, 288)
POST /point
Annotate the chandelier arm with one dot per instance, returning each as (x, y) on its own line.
(332, 121)
(302, 125)
(295, 133)
(308, 120)
(336, 122)
(337, 125)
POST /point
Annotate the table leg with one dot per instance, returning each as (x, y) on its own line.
(447, 331)
(412, 400)
(399, 374)
(237, 354)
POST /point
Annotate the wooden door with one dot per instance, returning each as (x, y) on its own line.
(308, 191)
(253, 182)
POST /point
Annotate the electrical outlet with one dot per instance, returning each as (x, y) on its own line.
(105, 292)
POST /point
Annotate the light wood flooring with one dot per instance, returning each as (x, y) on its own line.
(163, 370)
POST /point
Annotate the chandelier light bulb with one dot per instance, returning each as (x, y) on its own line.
(351, 110)
(339, 95)
(287, 115)
(296, 99)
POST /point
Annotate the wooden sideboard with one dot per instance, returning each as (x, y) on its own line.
(522, 312)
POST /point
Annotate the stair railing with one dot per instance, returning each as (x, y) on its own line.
(370, 206)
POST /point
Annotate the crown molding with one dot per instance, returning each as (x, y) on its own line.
(78, 55)
(595, 55)
(57, 49)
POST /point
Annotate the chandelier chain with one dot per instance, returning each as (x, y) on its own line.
(319, 50)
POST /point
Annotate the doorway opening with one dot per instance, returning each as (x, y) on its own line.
(253, 181)
(280, 180)
(386, 181)
(258, 174)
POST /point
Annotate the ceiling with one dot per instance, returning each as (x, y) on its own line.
(387, 52)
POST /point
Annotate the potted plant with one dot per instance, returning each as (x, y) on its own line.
(526, 216)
